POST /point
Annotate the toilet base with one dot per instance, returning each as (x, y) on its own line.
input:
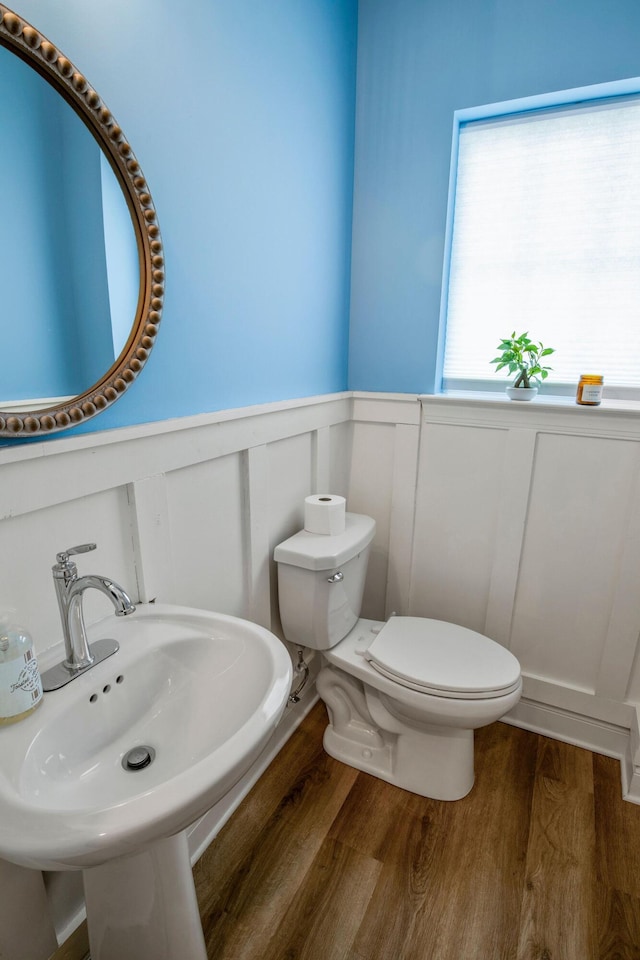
(432, 761)
(421, 773)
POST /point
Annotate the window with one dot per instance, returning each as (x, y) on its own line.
(543, 236)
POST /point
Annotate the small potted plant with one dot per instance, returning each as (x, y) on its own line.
(522, 355)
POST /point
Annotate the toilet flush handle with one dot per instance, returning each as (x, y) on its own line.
(336, 578)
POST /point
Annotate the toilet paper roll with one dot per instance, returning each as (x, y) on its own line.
(324, 513)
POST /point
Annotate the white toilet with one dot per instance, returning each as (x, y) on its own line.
(403, 697)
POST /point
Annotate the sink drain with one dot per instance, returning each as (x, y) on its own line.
(138, 758)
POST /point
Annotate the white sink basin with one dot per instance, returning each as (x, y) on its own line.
(203, 690)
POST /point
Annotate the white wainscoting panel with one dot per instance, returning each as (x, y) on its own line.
(521, 521)
(153, 554)
(515, 485)
(339, 461)
(382, 484)
(402, 519)
(631, 761)
(458, 504)
(206, 507)
(579, 508)
(290, 477)
(186, 512)
(633, 687)
(370, 487)
(620, 660)
(30, 542)
(528, 530)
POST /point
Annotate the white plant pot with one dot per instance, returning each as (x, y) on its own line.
(522, 393)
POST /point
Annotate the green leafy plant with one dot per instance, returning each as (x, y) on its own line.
(524, 356)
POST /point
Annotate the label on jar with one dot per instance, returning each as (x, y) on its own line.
(591, 393)
(20, 685)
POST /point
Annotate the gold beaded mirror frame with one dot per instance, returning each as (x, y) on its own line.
(32, 47)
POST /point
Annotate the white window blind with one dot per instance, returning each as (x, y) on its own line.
(546, 240)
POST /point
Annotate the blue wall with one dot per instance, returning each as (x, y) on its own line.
(241, 113)
(418, 61)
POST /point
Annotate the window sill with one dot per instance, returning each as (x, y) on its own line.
(549, 402)
(619, 419)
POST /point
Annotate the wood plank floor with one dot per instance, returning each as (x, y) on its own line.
(540, 862)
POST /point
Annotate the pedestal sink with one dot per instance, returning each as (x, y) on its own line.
(110, 770)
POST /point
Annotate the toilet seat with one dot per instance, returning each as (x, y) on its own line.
(443, 659)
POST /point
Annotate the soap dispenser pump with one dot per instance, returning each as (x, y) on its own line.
(20, 684)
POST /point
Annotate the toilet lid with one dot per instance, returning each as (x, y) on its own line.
(443, 659)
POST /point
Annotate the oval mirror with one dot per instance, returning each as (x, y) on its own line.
(79, 243)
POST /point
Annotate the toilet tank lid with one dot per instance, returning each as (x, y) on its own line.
(319, 551)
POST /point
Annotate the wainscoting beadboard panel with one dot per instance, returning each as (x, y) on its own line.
(153, 556)
(631, 760)
(185, 512)
(382, 483)
(370, 489)
(182, 511)
(579, 508)
(333, 471)
(289, 477)
(206, 509)
(290, 466)
(30, 542)
(521, 523)
(459, 498)
(528, 530)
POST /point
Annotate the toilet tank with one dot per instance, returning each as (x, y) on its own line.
(321, 582)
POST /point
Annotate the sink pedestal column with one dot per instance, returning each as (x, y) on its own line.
(144, 907)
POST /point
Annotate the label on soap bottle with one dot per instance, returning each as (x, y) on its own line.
(20, 685)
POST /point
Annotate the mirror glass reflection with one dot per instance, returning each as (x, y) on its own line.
(68, 253)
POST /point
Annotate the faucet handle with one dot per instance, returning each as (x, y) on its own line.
(64, 555)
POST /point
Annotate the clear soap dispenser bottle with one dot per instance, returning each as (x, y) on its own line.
(20, 684)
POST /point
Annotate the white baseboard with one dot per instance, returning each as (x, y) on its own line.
(631, 762)
(560, 724)
(630, 781)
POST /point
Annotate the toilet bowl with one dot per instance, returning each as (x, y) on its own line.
(423, 738)
(405, 696)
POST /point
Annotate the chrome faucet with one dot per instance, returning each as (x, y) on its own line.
(70, 588)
